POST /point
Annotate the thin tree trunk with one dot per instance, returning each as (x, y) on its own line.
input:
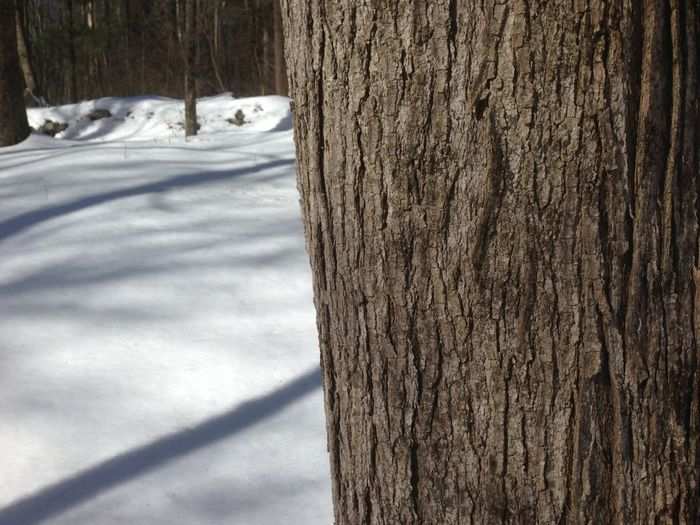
(214, 44)
(142, 57)
(90, 19)
(25, 63)
(281, 87)
(265, 49)
(198, 69)
(128, 64)
(217, 28)
(72, 60)
(13, 116)
(260, 44)
(190, 57)
(106, 51)
(215, 65)
(92, 58)
(501, 209)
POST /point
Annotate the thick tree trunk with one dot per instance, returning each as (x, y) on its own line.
(501, 207)
(13, 115)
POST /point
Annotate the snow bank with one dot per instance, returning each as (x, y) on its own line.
(146, 118)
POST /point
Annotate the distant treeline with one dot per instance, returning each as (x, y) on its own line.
(72, 50)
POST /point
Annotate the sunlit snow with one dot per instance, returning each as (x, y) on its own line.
(157, 341)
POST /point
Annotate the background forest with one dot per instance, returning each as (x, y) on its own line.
(73, 50)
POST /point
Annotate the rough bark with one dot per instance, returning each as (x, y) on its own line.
(13, 115)
(501, 209)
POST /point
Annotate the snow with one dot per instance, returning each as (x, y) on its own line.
(158, 355)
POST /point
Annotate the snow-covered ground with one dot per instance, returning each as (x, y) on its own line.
(158, 355)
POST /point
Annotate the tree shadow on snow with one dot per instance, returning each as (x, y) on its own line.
(60, 497)
(27, 220)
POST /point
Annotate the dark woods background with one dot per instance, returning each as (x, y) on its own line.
(82, 49)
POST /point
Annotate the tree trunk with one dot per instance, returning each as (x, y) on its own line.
(281, 87)
(501, 209)
(129, 76)
(262, 33)
(13, 115)
(72, 59)
(23, 54)
(190, 57)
